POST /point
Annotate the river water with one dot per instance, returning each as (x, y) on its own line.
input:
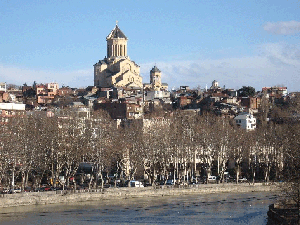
(222, 208)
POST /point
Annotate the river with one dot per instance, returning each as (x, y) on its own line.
(222, 208)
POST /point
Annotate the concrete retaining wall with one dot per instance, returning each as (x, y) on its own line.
(53, 197)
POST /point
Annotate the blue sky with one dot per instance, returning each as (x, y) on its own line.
(238, 43)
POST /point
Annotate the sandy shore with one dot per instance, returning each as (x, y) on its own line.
(54, 197)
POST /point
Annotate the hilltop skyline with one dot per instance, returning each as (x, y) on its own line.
(193, 43)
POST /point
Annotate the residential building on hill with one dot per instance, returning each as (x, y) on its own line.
(121, 110)
(65, 91)
(3, 87)
(251, 102)
(275, 90)
(9, 110)
(246, 120)
(46, 92)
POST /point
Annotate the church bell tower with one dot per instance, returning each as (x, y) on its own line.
(116, 43)
(155, 78)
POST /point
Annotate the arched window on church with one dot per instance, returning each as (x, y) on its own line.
(121, 50)
(116, 50)
(132, 79)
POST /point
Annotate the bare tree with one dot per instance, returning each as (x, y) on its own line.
(291, 187)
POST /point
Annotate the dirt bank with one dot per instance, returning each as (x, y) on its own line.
(53, 197)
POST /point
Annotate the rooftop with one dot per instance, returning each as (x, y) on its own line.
(116, 33)
(155, 69)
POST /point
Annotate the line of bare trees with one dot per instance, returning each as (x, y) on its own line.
(36, 149)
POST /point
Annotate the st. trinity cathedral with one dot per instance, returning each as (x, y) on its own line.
(117, 70)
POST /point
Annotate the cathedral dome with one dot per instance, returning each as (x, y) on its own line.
(116, 33)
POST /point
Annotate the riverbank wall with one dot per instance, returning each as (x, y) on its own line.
(283, 213)
(54, 197)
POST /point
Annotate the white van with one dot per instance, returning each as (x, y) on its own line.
(135, 183)
(212, 179)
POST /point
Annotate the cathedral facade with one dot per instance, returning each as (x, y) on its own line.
(116, 69)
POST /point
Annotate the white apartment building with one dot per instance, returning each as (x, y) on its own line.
(3, 87)
(246, 120)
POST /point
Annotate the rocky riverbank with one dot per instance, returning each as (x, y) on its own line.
(54, 197)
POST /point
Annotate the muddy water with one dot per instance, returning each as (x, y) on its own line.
(225, 208)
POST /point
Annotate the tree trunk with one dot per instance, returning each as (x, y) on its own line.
(13, 179)
(237, 174)
(102, 183)
(23, 181)
(91, 180)
(26, 179)
(267, 175)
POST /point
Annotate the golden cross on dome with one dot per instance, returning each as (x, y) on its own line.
(117, 22)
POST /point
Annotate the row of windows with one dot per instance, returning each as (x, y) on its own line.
(249, 121)
(116, 50)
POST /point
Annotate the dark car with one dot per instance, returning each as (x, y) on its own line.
(170, 182)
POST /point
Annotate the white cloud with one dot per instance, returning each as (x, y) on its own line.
(282, 54)
(274, 64)
(284, 27)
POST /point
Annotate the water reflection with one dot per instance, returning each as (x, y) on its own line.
(225, 208)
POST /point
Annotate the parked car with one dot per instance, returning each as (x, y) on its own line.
(147, 184)
(5, 191)
(17, 190)
(170, 182)
(212, 179)
(135, 183)
(242, 180)
(27, 189)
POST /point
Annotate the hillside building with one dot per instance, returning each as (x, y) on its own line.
(246, 120)
(3, 87)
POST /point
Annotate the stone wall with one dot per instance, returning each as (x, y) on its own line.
(53, 197)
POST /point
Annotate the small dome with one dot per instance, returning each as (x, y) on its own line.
(155, 69)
